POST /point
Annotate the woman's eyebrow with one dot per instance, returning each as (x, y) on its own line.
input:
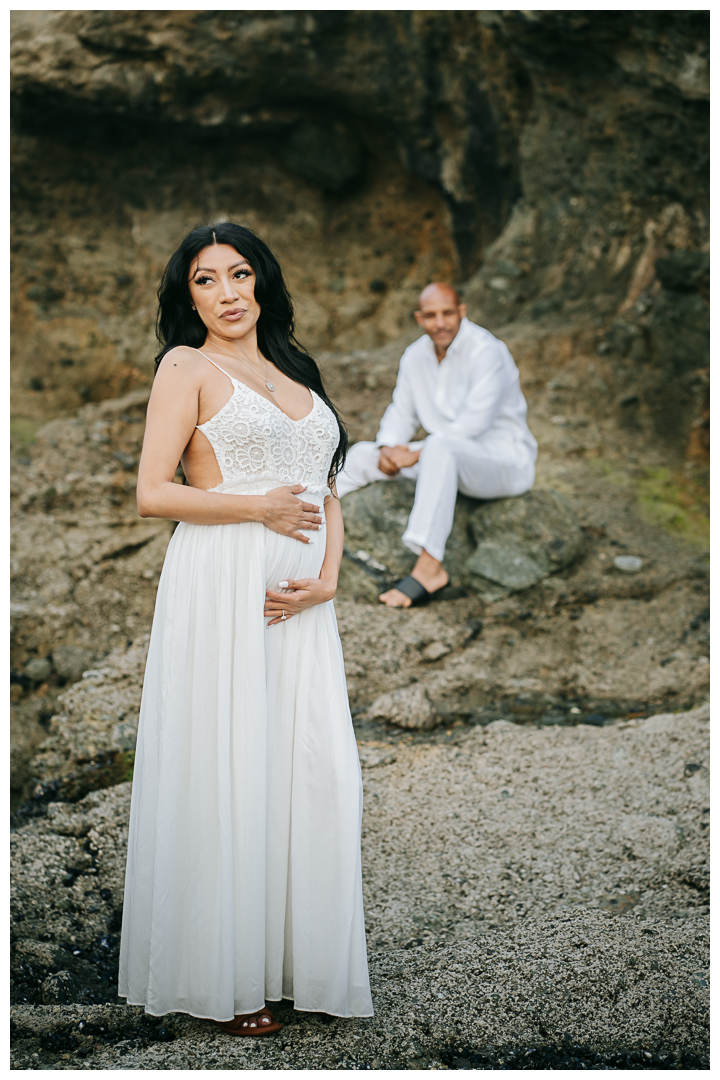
(208, 270)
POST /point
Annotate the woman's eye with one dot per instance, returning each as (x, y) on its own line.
(202, 280)
(242, 273)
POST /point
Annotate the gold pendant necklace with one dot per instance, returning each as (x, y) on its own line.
(269, 385)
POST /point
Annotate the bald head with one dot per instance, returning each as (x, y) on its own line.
(440, 314)
(438, 292)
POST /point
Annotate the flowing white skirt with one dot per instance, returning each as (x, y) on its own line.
(243, 877)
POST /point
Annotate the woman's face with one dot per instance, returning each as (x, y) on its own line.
(222, 287)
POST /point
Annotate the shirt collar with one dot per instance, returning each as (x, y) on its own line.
(457, 342)
(455, 345)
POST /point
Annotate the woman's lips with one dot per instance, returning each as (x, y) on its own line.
(234, 315)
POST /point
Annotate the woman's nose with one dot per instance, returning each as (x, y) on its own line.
(229, 289)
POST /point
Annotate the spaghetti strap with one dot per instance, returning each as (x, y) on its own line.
(213, 363)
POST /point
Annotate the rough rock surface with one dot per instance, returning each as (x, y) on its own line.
(506, 911)
(575, 991)
(409, 707)
(85, 570)
(495, 547)
(550, 159)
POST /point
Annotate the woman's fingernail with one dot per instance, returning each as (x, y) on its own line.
(284, 585)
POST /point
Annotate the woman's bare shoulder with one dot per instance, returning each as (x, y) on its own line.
(183, 361)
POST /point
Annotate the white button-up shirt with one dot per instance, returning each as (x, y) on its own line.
(474, 392)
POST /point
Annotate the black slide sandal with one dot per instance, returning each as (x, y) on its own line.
(417, 593)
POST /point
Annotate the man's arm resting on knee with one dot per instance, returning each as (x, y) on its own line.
(395, 458)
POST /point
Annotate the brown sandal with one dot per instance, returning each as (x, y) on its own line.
(260, 1023)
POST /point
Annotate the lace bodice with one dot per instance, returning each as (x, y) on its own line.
(255, 441)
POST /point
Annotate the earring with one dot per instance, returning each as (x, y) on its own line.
(193, 307)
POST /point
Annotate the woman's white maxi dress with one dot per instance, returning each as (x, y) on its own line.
(243, 877)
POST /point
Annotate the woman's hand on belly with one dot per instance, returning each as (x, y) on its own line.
(302, 594)
(284, 513)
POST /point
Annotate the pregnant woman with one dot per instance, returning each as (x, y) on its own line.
(243, 879)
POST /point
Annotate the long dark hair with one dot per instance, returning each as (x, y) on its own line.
(178, 324)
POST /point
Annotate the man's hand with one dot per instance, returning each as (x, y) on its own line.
(395, 458)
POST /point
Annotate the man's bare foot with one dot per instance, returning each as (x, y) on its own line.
(394, 598)
(428, 571)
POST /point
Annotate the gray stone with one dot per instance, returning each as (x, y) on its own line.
(628, 564)
(372, 757)
(124, 735)
(61, 988)
(496, 547)
(71, 660)
(354, 581)
(508, 566)
(409, 707)
(38, 669)
(435, 651)
(65, 820)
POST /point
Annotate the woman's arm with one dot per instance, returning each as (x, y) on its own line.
(171, 418)
(307, 592)
(334, 542)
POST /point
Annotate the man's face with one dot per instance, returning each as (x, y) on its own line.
(440, 315)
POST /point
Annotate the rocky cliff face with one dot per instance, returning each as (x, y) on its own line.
(554, 161)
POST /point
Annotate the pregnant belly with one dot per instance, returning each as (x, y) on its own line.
(287, 558)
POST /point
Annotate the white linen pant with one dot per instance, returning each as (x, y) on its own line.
(483, 468)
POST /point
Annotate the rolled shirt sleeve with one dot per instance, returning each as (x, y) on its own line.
(400, 420)
(484, 398)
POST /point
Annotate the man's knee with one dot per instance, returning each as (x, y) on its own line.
(437, 448)
(361, 463)
(363, 454)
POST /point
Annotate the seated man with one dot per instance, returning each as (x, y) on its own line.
(461, 384)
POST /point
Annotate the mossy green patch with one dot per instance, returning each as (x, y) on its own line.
(672, 499)
(23, 432)
(128, 761)
(676, 502)
(104, 771)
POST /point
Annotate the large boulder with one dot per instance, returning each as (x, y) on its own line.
(408, 707)
(496, 546)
